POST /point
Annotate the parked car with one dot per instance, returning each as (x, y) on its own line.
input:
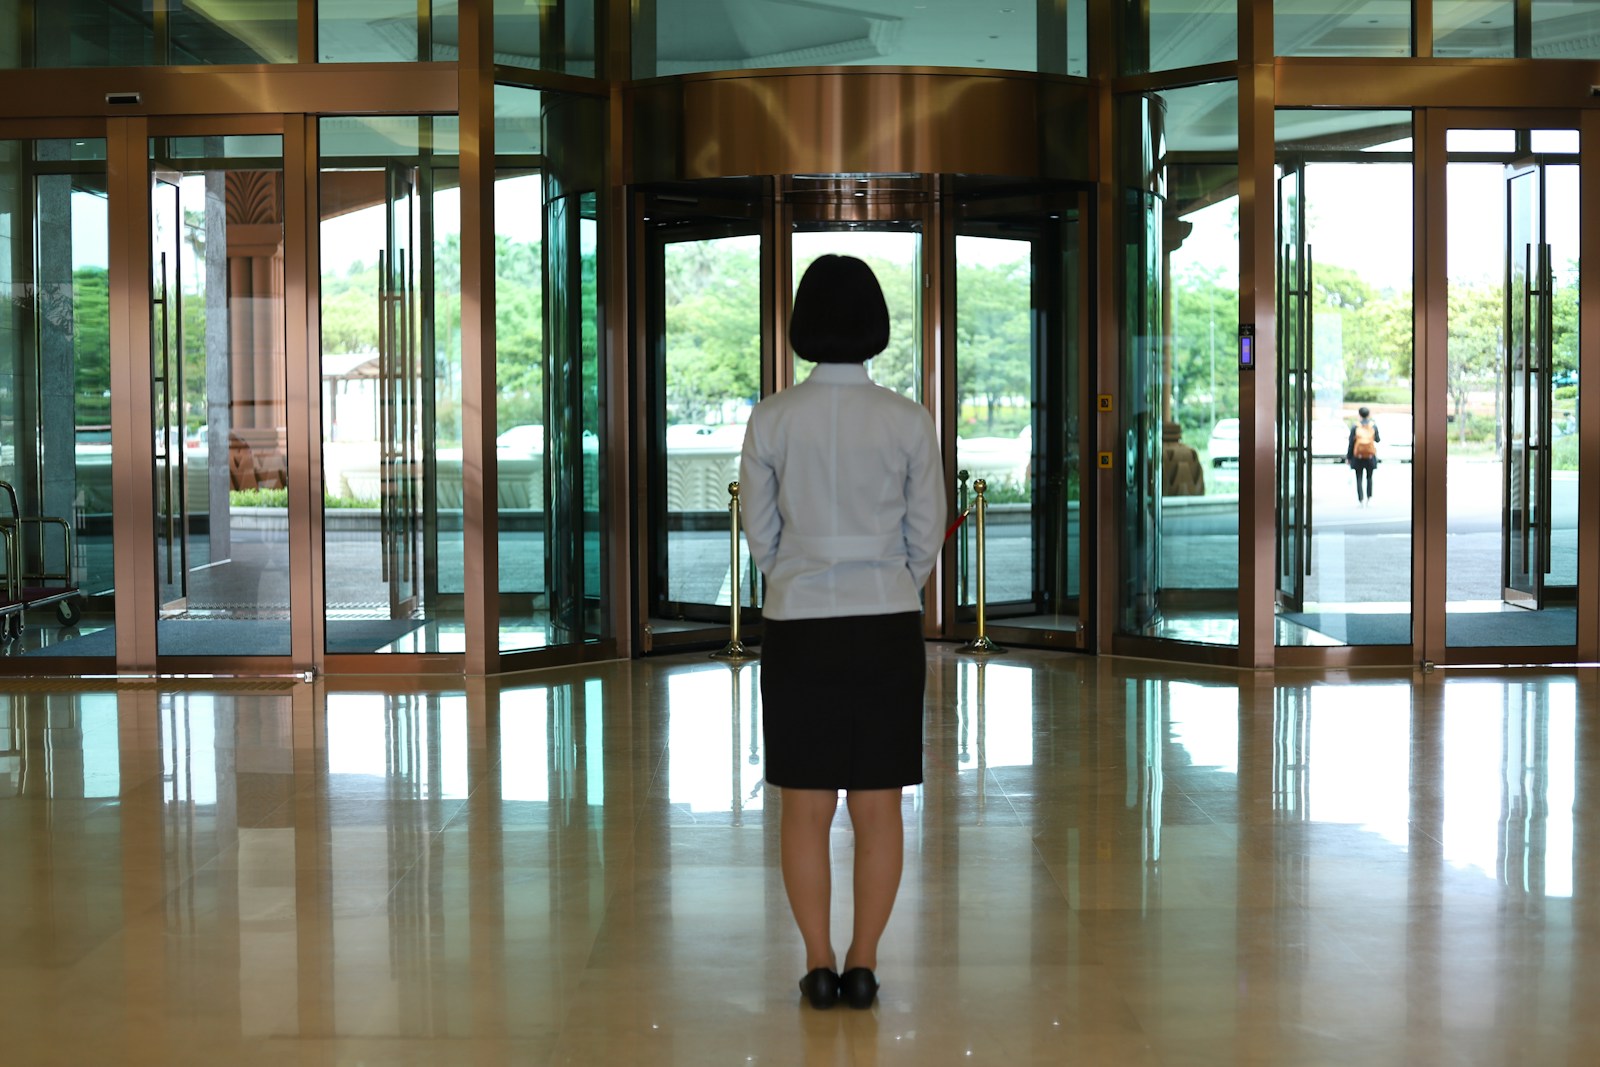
(524, 440)
(1395, 430)
(1330, 440)
(1224, 444)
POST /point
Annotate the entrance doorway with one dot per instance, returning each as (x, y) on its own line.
(1346, 378)
(219, 381)
(1512, 450)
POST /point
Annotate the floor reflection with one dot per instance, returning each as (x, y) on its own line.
(1110, 861)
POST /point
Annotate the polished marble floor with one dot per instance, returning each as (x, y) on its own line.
(1111, 862)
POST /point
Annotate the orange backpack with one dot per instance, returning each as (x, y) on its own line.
(1366, 446)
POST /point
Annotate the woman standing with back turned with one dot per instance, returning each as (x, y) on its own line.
(843, 498)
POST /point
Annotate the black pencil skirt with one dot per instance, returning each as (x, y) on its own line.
(841, 701)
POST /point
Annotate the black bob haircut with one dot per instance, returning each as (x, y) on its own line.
(839, 315)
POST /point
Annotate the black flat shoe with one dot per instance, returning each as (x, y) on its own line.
(858, 987)
(821, 987)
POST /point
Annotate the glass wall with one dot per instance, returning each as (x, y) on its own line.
(104, 33)
(55, 399)
(1550, 29)
(685, 36)
(1478, 29)
(213, 32)
(387, 31)
(1345, 359)
(391, 373)
(1564, 29)
(1169, 34)
(1335, 28)
(1179, 273)
(554, 35)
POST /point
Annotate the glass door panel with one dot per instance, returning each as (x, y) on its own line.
(57, 594)
(1513, 221)
(519, 409)
(398, 373)
(167, 386)
(996, 352)
(390, 357)
(220, 390)
(577, 564)
(1180, 437)
(1294, 393)
(710, 374)
(1017, 406)
(895, 256)
(1525, 487)
(706, 301)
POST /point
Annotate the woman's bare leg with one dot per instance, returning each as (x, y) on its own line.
(880, 854)
(807, 870)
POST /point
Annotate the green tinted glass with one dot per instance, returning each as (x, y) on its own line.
(516, 121)
(1565, 29)
(1473, 28)
(375, 31)
(86, 33)
(682, 36)
(98, 33)
(224, 32)
(1333, 28)
(1169, 34)
(1180, 408)
(550, 35)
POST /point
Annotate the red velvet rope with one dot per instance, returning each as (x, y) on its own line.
(961, 518)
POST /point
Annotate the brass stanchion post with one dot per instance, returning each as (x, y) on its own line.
(961, 545)
(980, 645)
(734, 649)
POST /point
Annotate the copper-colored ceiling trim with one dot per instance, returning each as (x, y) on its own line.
(218, 126)
(332, 88)
(23, 129)
(855, 121)
(1458, 83)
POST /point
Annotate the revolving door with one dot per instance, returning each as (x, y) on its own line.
(985, 286)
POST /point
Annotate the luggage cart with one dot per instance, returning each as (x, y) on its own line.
(32, 583)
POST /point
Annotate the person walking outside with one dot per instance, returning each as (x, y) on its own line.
(1362, 454)
(842, 490)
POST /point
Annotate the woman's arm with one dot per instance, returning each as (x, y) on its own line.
(758, 500)
(925, 502)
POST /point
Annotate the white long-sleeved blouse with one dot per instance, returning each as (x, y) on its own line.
(842, 494)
